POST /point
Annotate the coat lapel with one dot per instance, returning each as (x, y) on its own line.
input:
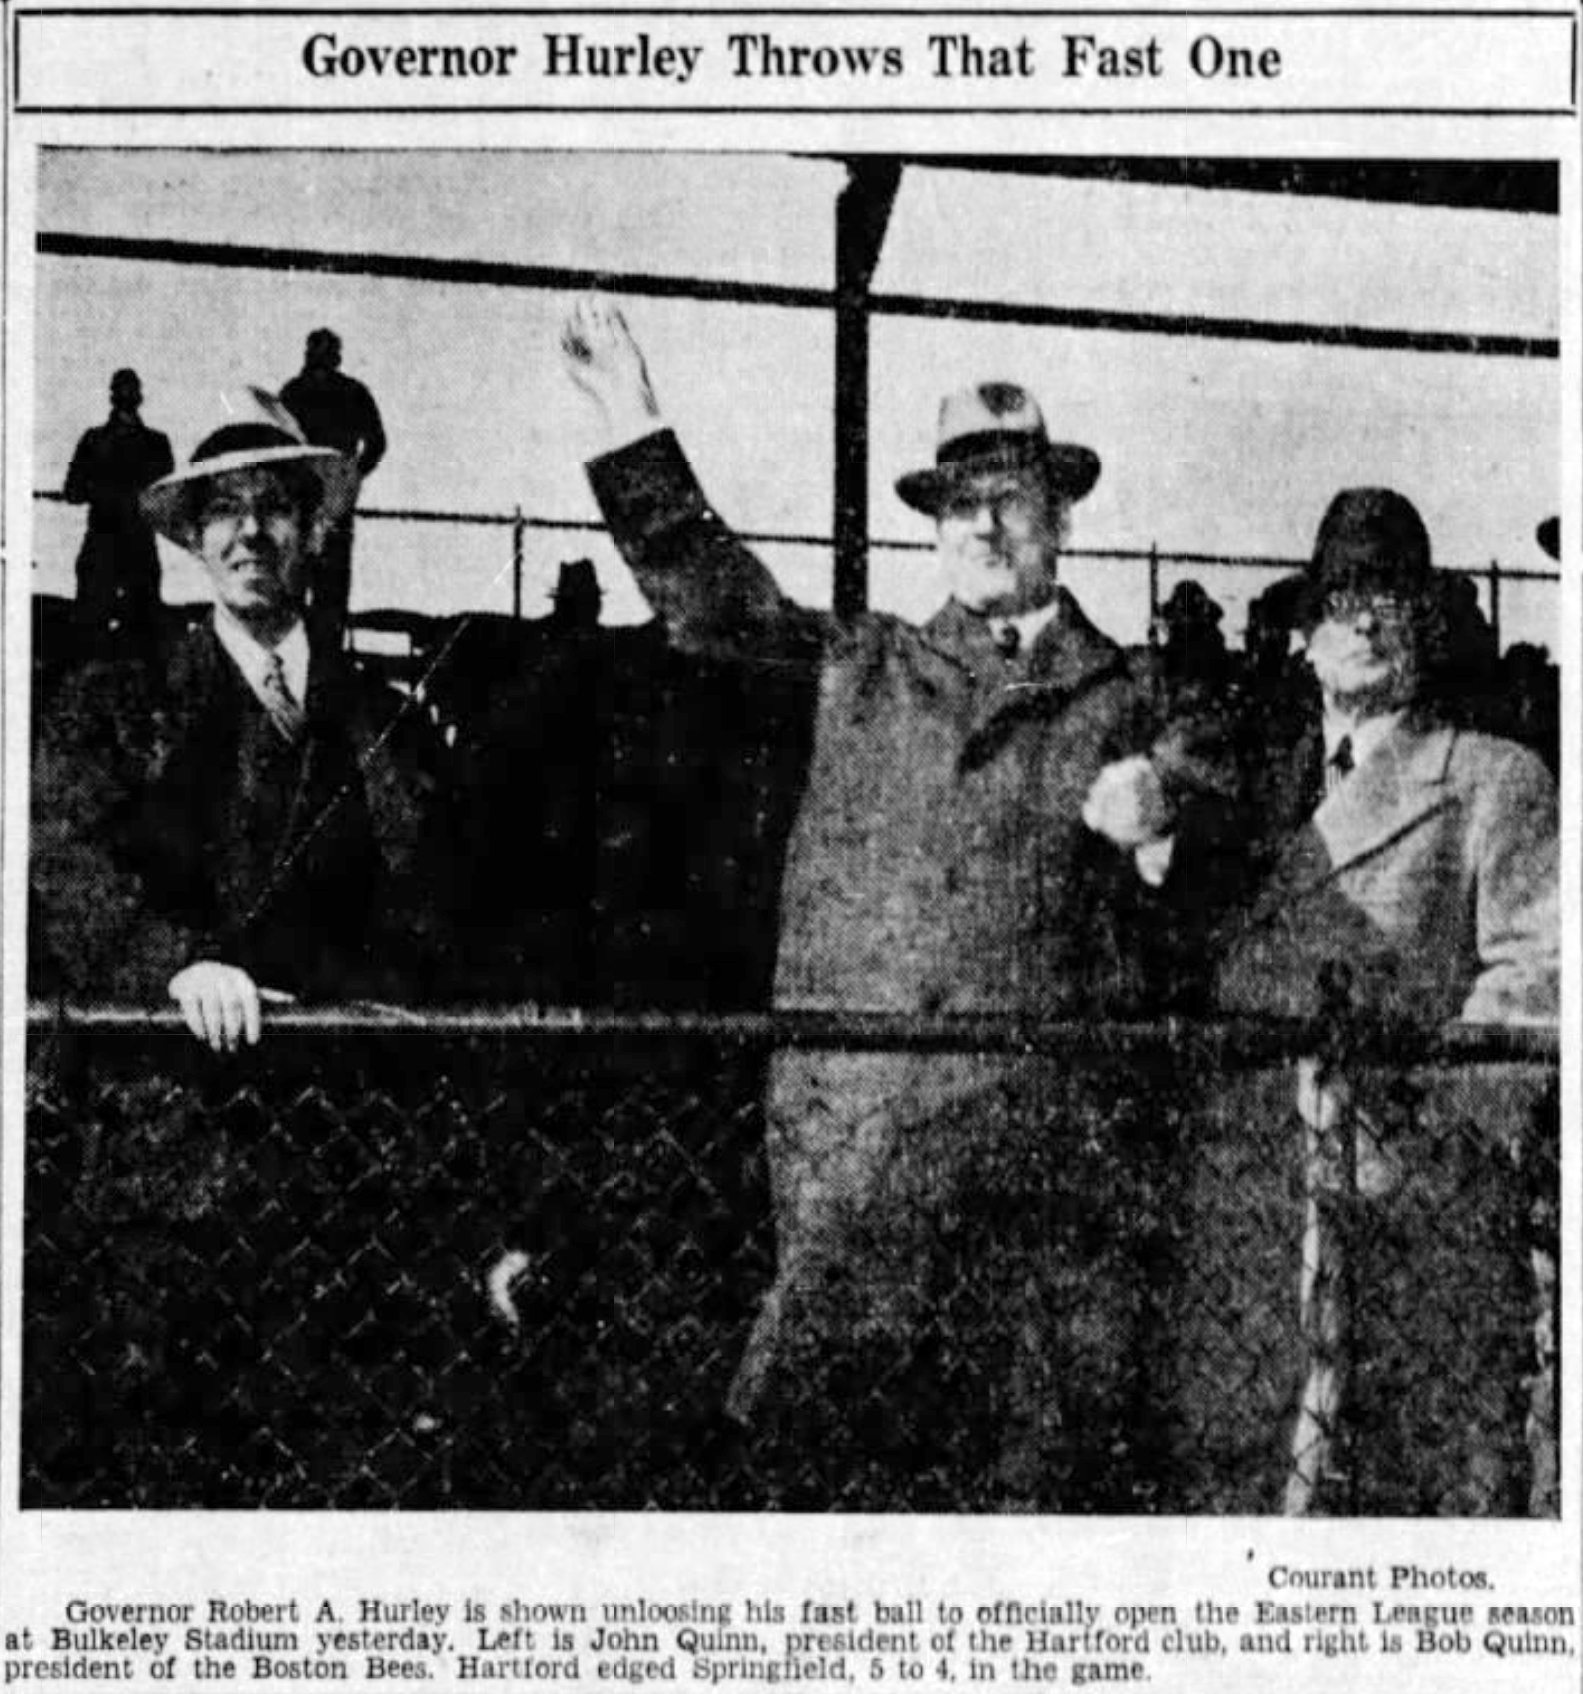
(1067, 656)
(1401, 783)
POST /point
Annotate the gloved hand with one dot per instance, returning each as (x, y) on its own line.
(1127, 804)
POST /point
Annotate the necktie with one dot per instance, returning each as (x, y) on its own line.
(284, 712)
(1339, 765)
(1008, 639)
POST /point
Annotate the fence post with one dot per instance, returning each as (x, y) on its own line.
(1154, 588)
(518, 531)
(1495, 601)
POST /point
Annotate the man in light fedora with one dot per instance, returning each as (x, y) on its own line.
(1409, 879)
(994, 820)
(250, 813)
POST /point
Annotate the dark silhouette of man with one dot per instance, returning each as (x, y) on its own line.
(335, 410)
(118, 562)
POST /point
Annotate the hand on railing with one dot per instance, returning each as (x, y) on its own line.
(220, 1004)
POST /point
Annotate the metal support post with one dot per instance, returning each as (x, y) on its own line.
(862, 212)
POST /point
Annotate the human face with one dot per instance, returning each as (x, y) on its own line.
(252, 539)
(1365, 652)
(998, 539)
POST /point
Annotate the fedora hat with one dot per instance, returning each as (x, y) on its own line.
(260, 434)
(995, 426)
(1370, 540)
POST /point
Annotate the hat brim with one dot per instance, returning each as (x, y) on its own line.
(167, 503)
(1073, 471)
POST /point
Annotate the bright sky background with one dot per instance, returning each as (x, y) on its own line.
(1208, 446)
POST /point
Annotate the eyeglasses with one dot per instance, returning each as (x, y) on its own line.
(268, 505)
(1000, 502)
(1382, 604)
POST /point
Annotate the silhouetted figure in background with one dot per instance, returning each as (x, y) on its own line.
(1465, 682)
(577, 599)
(1191, 648)
(335, 410)
(118, 563)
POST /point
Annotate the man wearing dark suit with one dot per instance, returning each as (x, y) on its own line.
(335, 410)
(1410, 880)
(249, 815)
(118, 563)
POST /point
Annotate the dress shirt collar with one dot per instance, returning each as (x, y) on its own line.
(1365, 736)
(1028, 625)
(251, 657)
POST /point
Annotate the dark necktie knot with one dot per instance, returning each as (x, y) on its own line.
(1008, 639)
(1339, 765)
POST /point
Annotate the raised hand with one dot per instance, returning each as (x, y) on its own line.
(604, 361)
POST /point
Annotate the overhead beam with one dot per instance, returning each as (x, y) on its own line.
(62, 244)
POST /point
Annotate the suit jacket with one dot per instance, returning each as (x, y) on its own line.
(172, 823)
(1429, 879)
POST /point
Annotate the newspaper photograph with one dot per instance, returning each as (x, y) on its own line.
(790, 848)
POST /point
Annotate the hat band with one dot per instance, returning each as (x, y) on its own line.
(241, 438)
(995, 445)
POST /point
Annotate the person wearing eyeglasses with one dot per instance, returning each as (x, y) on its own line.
(996, 818)
(1410, 880)
(250, 815)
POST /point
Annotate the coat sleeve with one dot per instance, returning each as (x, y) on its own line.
(1514, 851)
(92, 931)
(79, 487)
(713, 594)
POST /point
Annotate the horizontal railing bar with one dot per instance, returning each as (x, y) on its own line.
(782, 538)
(566, 278)
(1242, 1039)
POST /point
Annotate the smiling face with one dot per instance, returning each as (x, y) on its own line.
(998, 541)
(1365, 651)
(251, 530)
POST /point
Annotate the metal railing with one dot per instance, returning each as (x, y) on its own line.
(516, 1256)
(1152, 559)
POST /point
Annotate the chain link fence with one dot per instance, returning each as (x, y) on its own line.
(516, 1261)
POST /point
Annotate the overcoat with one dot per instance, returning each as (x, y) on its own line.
(1422, 890)
(939, 864)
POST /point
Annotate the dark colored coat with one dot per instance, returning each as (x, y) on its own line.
(938, 864)
(336, 410)
(118, 563)
(171, 823)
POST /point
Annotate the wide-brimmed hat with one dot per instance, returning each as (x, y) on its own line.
(260, 434)
(995, 426)
(1548, 535)
(1370, 540)
(1189, 603)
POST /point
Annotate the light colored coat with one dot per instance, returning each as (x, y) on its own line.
(1425, 889)
(1429, 877)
